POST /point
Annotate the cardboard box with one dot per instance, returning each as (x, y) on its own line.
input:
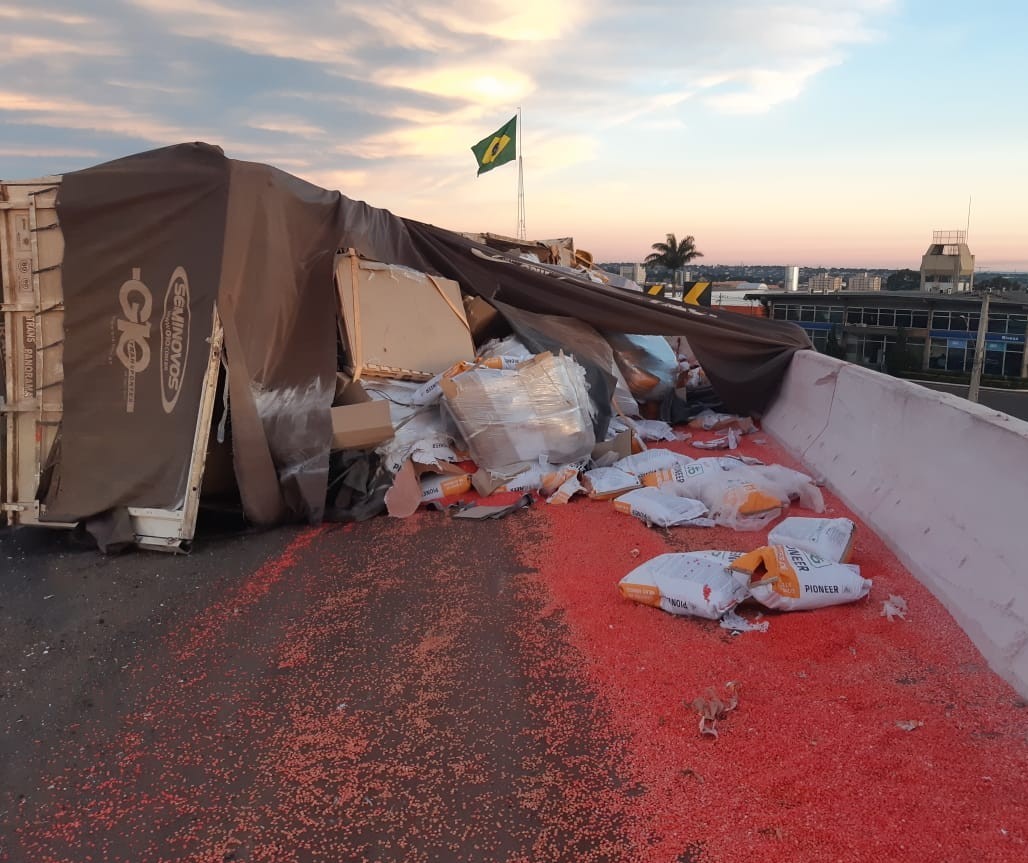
(486, 323)
(358, 420)
(361, 426)
(349, 392)
(621, 445)
(399, 323)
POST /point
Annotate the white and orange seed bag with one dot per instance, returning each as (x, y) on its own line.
(790, 579)
(696, 583)
(604, 483)
(663, 509)
(830, 538)
(438, 487)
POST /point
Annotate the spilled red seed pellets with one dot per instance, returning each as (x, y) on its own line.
(429, 690)
(811, 766)
(361, 704)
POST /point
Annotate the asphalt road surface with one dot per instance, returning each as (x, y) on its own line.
(1013, 402)
(442, 690)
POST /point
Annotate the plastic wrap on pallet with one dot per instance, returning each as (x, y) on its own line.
(648, 364)
(540, 411)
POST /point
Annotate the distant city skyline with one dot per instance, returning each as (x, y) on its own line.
(810, 132)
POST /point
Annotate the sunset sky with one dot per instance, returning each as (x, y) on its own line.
(811, 132)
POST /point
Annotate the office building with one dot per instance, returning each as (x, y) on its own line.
(864, 282)
(908, 331)
(824, 283)
(635, 272)
(948, 265)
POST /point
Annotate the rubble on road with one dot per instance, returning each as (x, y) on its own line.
(312, 348)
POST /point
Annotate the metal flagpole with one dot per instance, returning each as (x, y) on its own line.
(521, 233)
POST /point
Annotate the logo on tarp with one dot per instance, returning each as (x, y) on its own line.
(133, 349)
(174, 338)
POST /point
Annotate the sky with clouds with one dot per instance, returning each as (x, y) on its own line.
(810, 132)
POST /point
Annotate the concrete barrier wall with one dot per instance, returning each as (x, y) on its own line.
(942, 481)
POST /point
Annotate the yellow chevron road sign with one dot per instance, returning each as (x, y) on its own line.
(696, 294)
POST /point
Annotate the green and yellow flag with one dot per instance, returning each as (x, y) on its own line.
(497, 149)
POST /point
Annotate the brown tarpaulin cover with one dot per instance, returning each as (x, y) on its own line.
(265, 241)
(140, 235)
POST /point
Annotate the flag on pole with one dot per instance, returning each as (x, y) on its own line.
(497, 149)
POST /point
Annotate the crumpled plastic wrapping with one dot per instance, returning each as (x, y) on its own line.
(425, 434)
(738, 495)
(540, 411)
(577, 341)
(508, 347)
(647, 363)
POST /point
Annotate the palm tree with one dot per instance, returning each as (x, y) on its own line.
(673, 255)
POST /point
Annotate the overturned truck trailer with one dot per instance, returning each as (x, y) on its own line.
(150, 327)
(177, 303)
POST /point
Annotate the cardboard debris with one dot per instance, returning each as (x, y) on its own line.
(358, 421)
(343, 380)
(404, 496)
(715, 708)
(619, 446)
(479, 512)
(361, 426)
(485, 322)
(430, 336)
(414, 484)
(569, 488)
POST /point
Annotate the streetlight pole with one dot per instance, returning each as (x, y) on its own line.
(979, 348)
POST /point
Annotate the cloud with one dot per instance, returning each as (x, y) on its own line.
(481, 84)
(74, 114)
(388, 95)
(525, 21)
(14, 48)
(46, 153)
(147, 87)
(343, 180)
(758, 90)
(286, 125)
(23, 13)
(314, 34)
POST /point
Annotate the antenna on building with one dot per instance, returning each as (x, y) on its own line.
(967, 233)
